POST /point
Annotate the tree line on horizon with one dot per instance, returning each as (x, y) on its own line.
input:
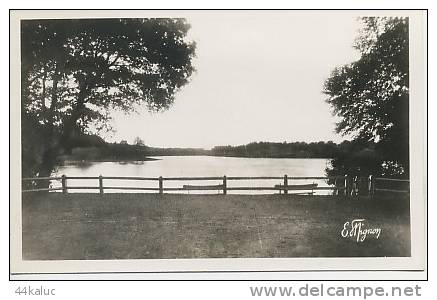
(94, 147)
(280, 150)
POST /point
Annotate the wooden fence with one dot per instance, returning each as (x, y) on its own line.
(389, 185)
(340, 185)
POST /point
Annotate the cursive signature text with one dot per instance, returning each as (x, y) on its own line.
(357, 229)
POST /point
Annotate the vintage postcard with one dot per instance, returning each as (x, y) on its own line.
(229, 140)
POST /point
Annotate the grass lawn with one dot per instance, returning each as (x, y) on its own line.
(132, 226)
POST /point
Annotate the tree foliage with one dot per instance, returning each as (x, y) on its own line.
(74, 72)
(139, 141)
(371, 95)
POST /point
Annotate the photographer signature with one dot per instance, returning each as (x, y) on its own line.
(356, 228)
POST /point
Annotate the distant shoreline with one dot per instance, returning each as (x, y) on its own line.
(106, 152)
(85, 161)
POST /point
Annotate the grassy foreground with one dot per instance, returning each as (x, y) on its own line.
(131, 226)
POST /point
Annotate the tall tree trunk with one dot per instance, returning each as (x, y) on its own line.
(51, 151)
(70, 124)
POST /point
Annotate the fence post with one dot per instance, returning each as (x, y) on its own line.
(346, 184)
(64, 184)
(354, 186)
(285, 184)
(160, 185)
(369, 185)
(101, 184)
(336, 192)
(224, 185)
(359, 184)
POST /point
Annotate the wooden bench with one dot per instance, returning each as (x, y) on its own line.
(202, 187)
(297, 187)
(280, 187)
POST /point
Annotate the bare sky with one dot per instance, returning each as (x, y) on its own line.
(259, 78)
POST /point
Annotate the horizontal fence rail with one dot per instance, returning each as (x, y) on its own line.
(391, 185)
(340, 185)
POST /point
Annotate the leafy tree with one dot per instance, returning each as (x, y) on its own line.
(355, 158)
(75, 71)
(138, 141)
(371, 95)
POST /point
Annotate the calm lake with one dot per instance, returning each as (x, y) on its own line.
(201, 166)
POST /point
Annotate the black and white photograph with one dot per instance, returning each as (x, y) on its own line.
(148, 137)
